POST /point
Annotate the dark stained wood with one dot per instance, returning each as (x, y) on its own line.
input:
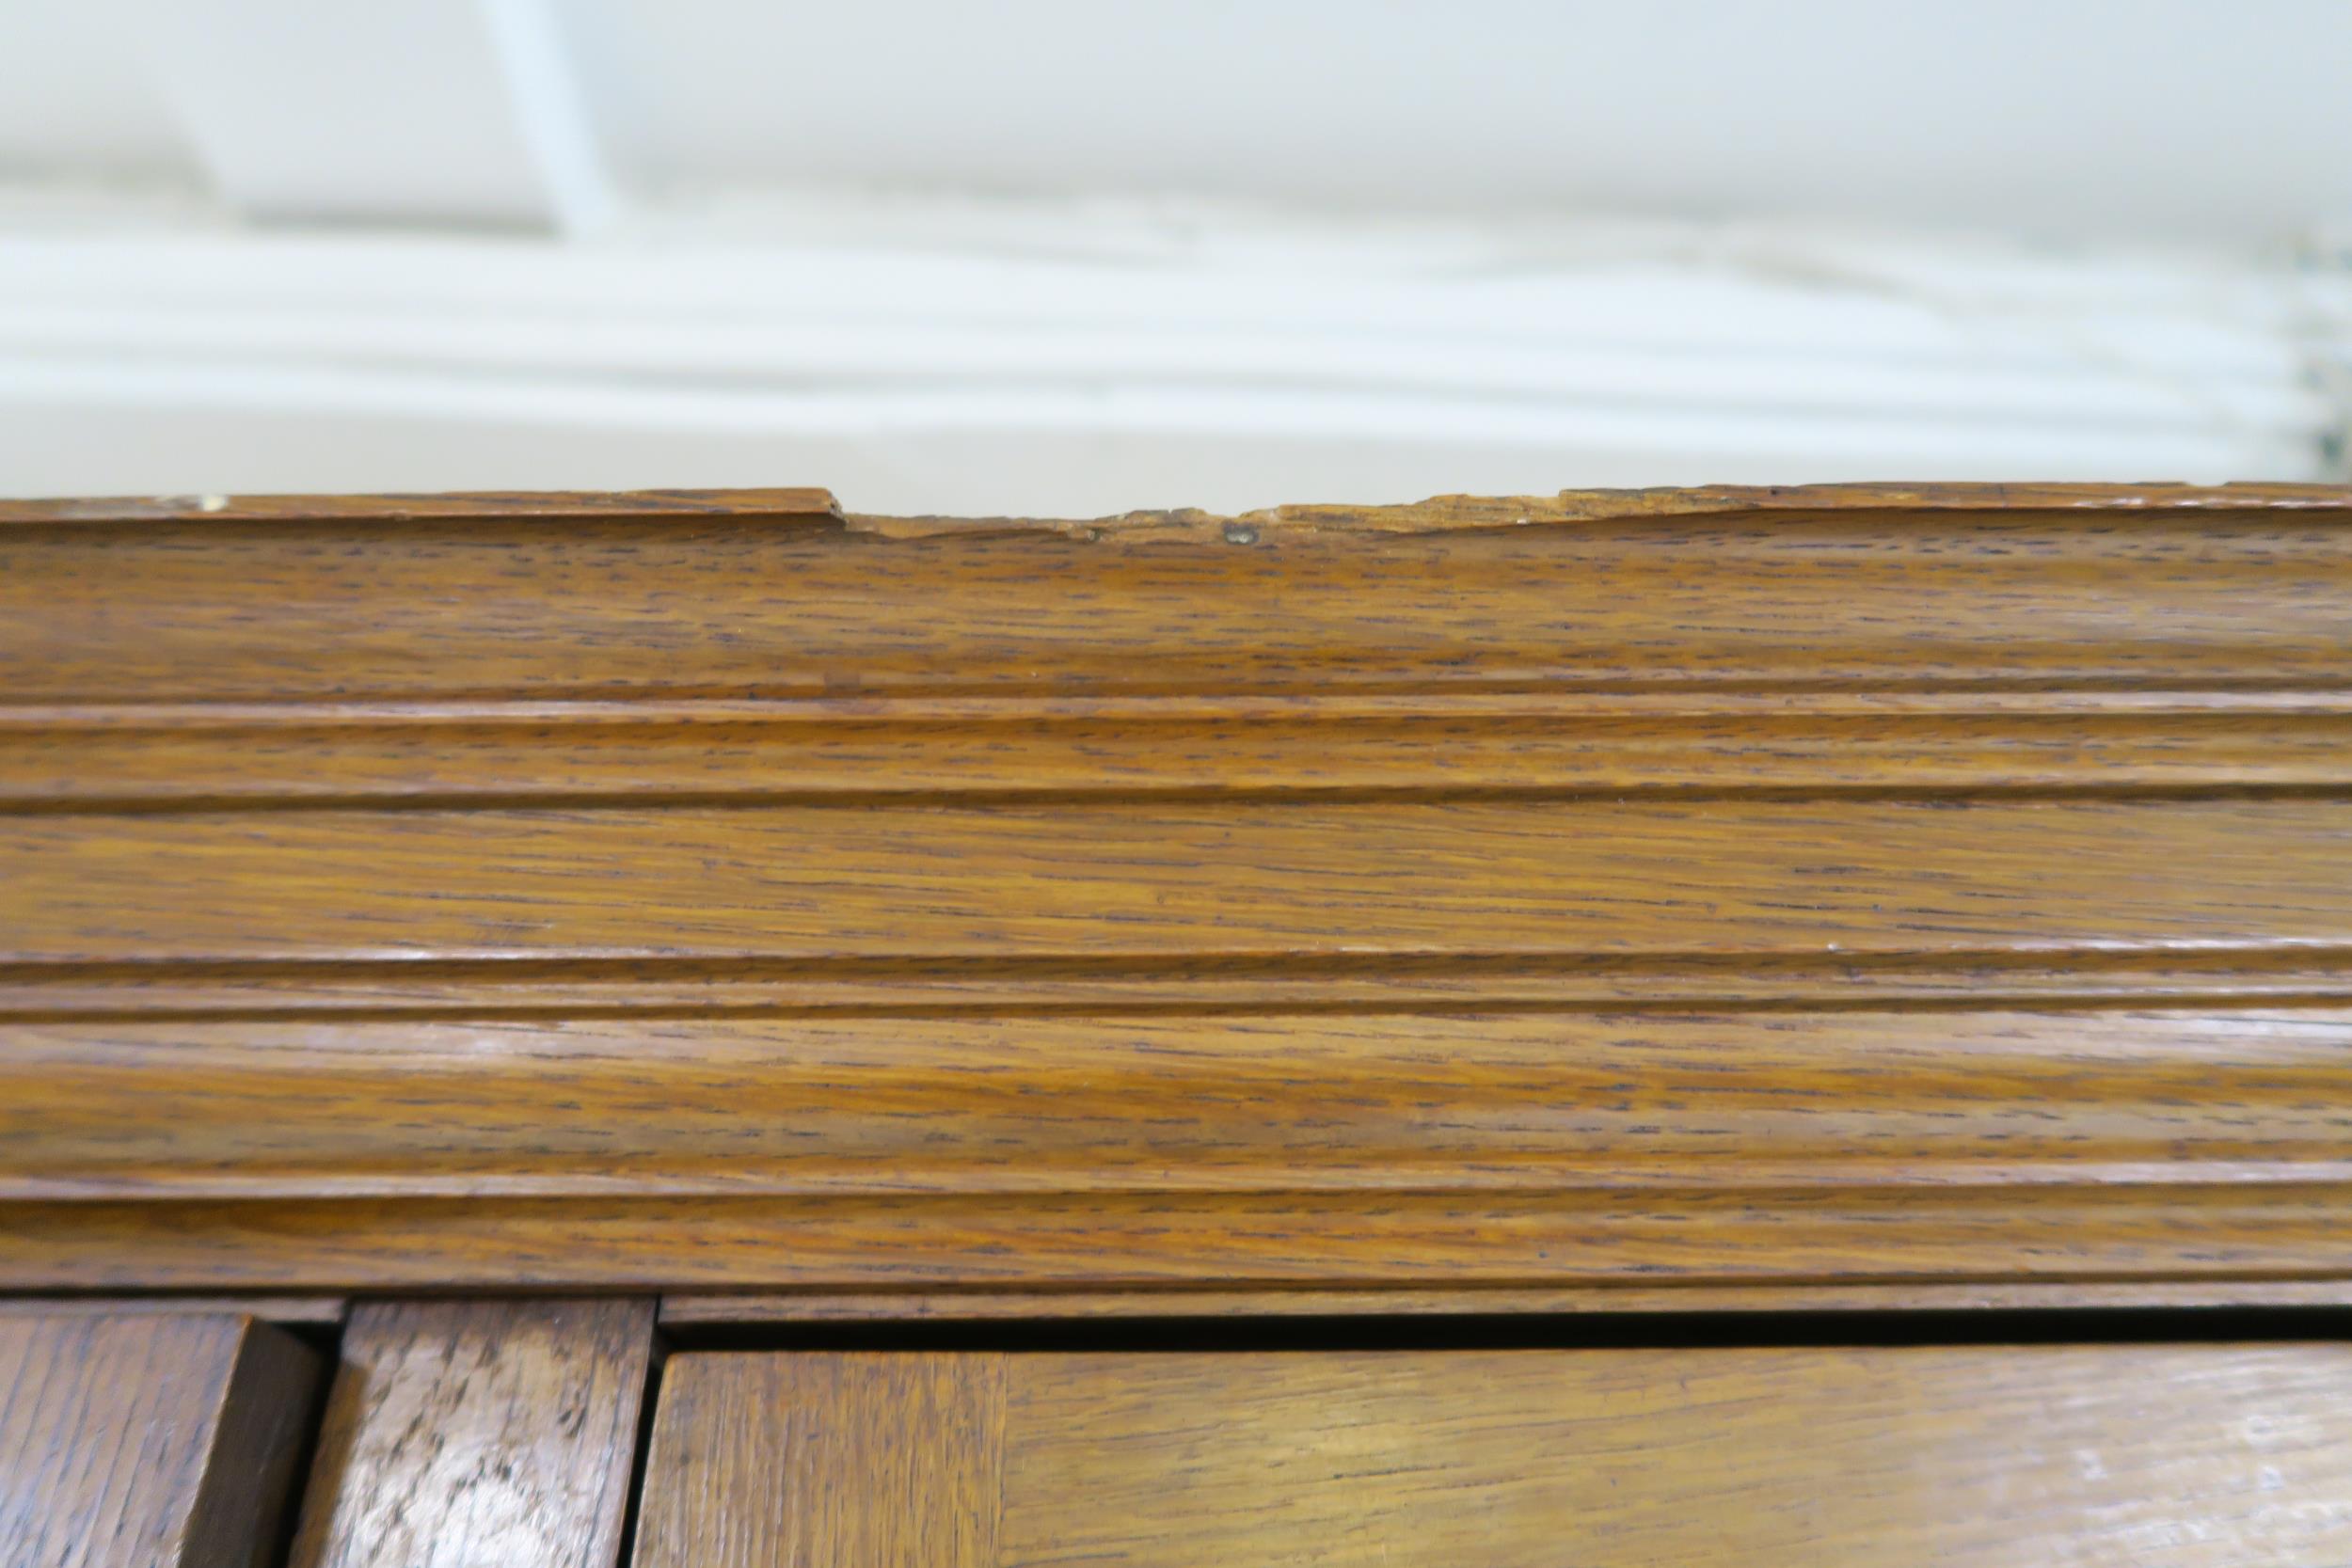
(461, 1433)
(847, 1460)
(146, 1441)
(1927, 887)
(1997, 1455)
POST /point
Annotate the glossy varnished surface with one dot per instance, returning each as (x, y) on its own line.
(1480, 878)
(131, 1441)
(766, 601)
(1511, 1101)
(461, 1434)
(1942, 888)
(2203, 1455)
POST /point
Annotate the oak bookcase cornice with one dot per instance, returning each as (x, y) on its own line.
(1878, 887)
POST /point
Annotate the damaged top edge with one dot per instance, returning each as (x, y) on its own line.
(1454, 514)
(817, 508)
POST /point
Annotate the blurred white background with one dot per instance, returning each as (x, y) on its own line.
(1052, 256)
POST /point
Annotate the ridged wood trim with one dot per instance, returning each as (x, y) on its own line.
(497, 603)
(695, 891)
(620, 754)
(917, 987)
(1064, 1106)
(1338, 1240)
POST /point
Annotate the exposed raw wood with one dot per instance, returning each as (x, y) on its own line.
(461, 1433)
(1440, 511)
(2203, 1455)
(159, 1441)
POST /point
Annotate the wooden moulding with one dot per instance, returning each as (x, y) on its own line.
(1488, 904)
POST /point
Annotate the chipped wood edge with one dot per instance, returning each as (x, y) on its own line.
(1447, 513)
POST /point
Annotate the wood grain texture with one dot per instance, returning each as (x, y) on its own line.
(1414, 1125)
(254, 756)
(2187, 1231)
(462, 1433)
(689, 1314)
(2286, 974)
(1128, 880)
(839, 1460)
(2202, 1455)
(1148, 1103)
(133, 1441)
(1936, 886)
(376, 603)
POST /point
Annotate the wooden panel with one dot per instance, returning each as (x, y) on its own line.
(147, 1442)
(1945, 887)
(2201, 1455)
(1481, 877)
(842, 1460)
(460, 1433)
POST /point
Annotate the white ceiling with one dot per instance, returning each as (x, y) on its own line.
(1079, 255)
(2193, 117)
(2189, 118)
